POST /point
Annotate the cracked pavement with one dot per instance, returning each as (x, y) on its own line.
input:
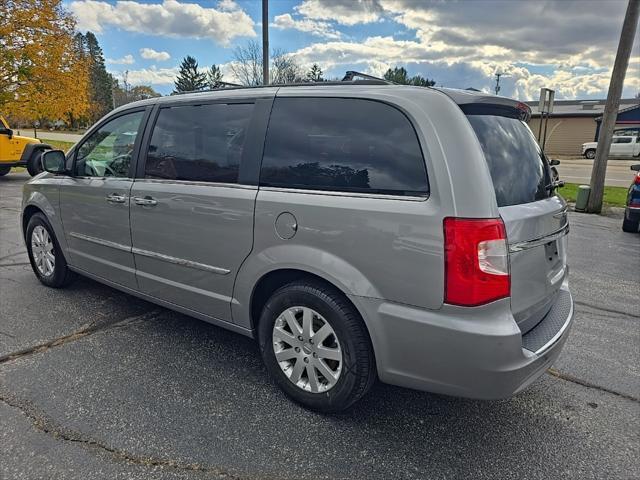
(97, 384)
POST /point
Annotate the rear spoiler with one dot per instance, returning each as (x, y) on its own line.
(520, 111)
(480, 103)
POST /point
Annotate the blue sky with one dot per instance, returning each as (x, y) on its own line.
(568, 45)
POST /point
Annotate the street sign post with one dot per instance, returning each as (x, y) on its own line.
(545, 107)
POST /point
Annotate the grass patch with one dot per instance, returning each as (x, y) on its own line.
(59, 144)
(613, 196)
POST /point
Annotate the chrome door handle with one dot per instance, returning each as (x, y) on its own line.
(146, 201)
(115, 198)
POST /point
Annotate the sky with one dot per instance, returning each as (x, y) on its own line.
(566, 45)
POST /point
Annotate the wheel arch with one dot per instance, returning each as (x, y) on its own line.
(287, 262)
(274, 279)
(35, 201)
(28, 212)
(31, 148)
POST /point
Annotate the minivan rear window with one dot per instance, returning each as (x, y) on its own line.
(518, 168)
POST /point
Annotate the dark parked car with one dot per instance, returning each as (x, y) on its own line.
(631, 222)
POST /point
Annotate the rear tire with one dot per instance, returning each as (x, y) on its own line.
(34, 166)
(346, 354)
(45, 254)
(630, 226)
(4, 171)
(590, 154)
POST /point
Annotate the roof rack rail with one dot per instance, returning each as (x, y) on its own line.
(218, 86)
(352, 74)
(222, 84)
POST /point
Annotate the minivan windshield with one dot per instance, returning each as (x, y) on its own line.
(517, 165)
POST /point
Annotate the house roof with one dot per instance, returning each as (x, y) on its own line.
(582, 108)
(622, 110)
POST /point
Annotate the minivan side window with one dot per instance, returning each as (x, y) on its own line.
(342, 144)
(201, 143)
(107, 152)
(518, 168)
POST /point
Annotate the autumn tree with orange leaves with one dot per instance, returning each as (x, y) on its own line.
(44, 72)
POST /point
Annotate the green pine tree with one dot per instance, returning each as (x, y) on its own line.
(214, 76)
(100, 94)
(189, 78)
(315, 74)
(400, 76)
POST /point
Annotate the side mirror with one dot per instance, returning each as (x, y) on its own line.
(54, 161)
(636, 167)
(553, 163)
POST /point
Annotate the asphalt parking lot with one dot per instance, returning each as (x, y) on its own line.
(98, 384)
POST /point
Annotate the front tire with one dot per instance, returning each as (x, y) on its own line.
(590, 154)
(4, 171)
(34, 166)
(45, 255)
(316, 347)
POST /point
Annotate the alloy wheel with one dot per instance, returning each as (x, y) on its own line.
(307, 349)
(42, 251)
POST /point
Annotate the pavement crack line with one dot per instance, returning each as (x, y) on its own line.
(17, 264)
(78, 334)
(578, 381)
(47, 426)
(608, 310)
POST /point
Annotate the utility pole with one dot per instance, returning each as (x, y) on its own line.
(498, 75)
(265, 42)
(594, 205)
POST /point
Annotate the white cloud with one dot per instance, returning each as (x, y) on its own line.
(126, 60)
(170, 18)
(349, 12)
(151, 54)
(149, 76)
(322, 29)
(464, 47)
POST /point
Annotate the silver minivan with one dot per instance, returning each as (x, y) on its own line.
(359, 231)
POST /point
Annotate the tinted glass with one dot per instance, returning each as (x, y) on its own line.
(518, 169)
(344, 145)
(622, 140)
(198, 142)
(108, 151)
(627, 131)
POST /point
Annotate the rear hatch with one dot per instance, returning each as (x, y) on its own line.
(534, 216)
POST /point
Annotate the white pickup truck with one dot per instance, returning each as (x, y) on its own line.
(621, 146)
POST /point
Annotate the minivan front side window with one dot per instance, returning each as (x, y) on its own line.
(342, 144)
(108, 151)
(198, 143)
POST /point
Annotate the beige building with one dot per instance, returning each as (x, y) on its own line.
(572, 123)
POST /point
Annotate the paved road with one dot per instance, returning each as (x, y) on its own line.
(102, 385)
(63, 137)
(579, 171)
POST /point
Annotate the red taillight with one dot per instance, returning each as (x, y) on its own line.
(476, 261)
(637, 181)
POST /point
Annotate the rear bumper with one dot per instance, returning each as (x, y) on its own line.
(467, 352)
(632, 213)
